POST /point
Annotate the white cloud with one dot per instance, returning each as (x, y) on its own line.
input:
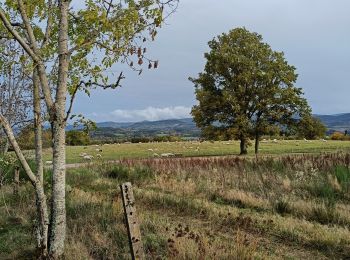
(149, 114)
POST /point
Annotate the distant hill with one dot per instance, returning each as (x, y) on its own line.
(339, 122)
(187, 128)
(182, 127)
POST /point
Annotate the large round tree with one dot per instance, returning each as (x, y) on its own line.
(246, 88)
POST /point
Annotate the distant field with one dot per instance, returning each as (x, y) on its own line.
(146, 150)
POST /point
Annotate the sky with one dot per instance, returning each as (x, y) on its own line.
(313, 34)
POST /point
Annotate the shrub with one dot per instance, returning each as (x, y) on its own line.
(77, 138)
(340, 136)
(282, 206)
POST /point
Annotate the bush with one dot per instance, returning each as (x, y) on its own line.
(340, 136)
(26, 138)
(77, 138)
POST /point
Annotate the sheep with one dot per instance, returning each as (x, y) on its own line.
(99, 156)
(167, 155)
(155, 155)
(83, 154)
(88, 157)
(48, 162)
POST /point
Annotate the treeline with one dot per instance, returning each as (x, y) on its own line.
(309, 130)
(78, 137)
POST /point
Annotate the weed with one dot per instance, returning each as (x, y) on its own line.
(282, 206)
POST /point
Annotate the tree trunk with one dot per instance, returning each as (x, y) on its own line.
(243, 146)
(41, 229)
(58, 207)
(257, 142)
(38, 127)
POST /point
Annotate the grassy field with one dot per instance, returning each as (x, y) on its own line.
(146, 150)
(284, 207)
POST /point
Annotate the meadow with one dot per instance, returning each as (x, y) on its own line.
(196, 148)
(282, 205)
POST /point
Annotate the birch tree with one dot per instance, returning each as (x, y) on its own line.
(71, 44)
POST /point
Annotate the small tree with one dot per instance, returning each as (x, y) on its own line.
(246, 88)
(311, 128)
(70, 49)
(75, 137)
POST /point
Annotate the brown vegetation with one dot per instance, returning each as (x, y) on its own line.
(200, 208)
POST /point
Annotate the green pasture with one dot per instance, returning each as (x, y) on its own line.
(147, 150)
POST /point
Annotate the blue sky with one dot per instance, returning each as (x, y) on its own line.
(313, 34)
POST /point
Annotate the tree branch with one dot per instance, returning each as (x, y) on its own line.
(11, 137)
(112, 86)
(17, 36)
(48, 25)
(28, 26)
(72, 100)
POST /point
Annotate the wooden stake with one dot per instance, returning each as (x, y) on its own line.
(132, 223)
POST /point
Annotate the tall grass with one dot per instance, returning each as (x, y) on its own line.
(198, 208)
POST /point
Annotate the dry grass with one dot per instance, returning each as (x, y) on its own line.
(288, 207)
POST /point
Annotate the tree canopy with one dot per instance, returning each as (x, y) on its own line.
(245, 88)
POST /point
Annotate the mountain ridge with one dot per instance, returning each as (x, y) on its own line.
(332, 121)
(186, 127)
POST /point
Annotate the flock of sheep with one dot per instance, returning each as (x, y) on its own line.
(194, 145)
(88, 157)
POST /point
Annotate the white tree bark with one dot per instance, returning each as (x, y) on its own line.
(58, 209)
(38, 127)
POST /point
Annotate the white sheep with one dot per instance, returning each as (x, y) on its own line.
(167, 155)
(88, 157)
(48, 162)
(83, 154)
